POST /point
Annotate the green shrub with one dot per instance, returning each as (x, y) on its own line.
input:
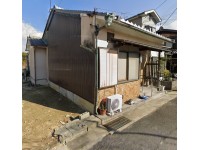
(167, 74)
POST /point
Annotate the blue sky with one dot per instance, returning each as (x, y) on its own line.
(35, 12)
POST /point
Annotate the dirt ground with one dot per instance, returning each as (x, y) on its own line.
(42, 110)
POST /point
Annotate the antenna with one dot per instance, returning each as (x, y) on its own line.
(50, 4)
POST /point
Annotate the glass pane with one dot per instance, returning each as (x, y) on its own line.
(122, 66)
(133, 66)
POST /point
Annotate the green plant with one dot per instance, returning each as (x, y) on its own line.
(167, 75)
(102, 105)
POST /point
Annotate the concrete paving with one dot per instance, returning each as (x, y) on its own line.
(134, 113)
(157, 131)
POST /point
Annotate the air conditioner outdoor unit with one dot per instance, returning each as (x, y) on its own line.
(114, 103)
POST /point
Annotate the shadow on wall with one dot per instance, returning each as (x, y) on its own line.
(46, 96)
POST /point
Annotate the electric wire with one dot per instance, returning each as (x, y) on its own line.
(169, 16)
(160, 4)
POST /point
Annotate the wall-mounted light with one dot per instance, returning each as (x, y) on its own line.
(109, 19)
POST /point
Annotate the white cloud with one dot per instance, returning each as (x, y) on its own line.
(27, 30)
(172, 25)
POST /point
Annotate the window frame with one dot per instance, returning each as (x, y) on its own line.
(127, 68)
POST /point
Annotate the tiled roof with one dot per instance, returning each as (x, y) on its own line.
(37, 42)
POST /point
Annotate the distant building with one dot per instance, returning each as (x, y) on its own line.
(172, 34)
(146, 19)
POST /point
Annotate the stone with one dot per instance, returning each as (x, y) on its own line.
(84, 115)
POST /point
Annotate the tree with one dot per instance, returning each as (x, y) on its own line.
(24, 57)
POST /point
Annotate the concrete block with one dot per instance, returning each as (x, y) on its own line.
(84, 115)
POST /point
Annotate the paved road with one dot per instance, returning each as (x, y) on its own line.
(157, 131)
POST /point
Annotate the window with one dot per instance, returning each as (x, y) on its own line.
(108, 67)
(133, 66)
(122, 66)
(150, 28)
(115, 67)
(128, 66)
(110, 36)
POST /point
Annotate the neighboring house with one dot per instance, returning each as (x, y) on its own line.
(172, 61)
(92, 55)
(149, 69)
(146, 19)
(38, 60)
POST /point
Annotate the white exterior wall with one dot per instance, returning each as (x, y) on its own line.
(31, 64)
(146, 21)
(155, 54)
(38, 63)
(137, 21)
(87, 31)
(41, 66)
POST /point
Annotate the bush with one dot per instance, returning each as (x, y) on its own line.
(167, 75)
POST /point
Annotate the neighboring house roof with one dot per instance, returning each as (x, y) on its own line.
(37, 42)
(152, 12)
(34, 41)
(143, 29)
(162, 30)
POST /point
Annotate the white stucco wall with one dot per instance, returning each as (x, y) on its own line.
(87, 30)
(38, 63)
(146, 21)
(155, 54)
(41, 66)
(31, 64)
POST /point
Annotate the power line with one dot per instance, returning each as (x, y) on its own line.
(169, 16)
(160, 4)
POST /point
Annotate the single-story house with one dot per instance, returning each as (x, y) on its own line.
(38, 60)
(92, 55)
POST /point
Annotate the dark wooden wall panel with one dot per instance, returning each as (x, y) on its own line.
(70, 66)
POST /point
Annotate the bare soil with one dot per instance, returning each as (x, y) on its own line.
(42, 110)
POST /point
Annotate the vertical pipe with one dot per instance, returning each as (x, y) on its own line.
(159, 68)
(35, 63)
(151, 76)
(96, 68)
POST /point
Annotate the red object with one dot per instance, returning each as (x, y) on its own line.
(104, 100)
(102, 112)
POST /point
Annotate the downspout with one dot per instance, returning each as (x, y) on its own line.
(159, 68)
(35, 65)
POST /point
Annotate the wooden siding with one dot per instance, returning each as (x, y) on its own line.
(70, 66)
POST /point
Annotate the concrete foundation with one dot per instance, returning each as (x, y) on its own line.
(73, 97)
